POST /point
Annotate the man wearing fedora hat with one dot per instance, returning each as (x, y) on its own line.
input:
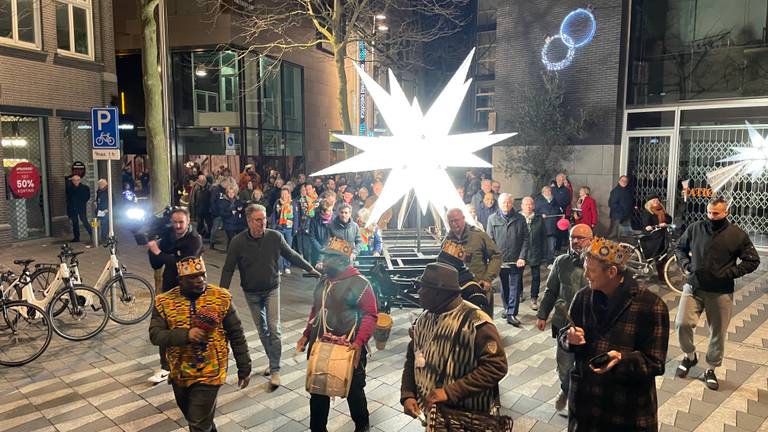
(455, 355)
(345, 305)
(195, 322)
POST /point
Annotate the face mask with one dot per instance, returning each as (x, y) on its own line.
(716, 224)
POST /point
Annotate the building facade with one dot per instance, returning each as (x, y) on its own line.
(57, 60)
(279, 114)
(670, 84)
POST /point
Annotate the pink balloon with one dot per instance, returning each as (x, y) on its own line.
(563, 224)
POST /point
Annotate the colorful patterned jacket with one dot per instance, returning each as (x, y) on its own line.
(193, 363)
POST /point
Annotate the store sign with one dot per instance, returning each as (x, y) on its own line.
(24, 180)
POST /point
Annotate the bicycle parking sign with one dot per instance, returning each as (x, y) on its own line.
(104, 124)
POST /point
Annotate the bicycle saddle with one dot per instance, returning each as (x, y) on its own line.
(24, 262)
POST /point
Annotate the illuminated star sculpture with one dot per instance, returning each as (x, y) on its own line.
(420, 147)
(749, 160)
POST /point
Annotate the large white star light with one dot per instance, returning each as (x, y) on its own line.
(420, 147)
(749, 160)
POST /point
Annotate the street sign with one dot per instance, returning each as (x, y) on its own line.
(104, 125)
(106, 154)
(24, 180)
(229, 149)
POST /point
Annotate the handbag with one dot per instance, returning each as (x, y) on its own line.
(443, 417)
(331, 362)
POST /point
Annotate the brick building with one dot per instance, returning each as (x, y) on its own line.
(57, 60)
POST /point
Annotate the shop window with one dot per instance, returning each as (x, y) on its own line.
(20, 22)
(74, 28)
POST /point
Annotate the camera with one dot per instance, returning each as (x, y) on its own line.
(149, 228)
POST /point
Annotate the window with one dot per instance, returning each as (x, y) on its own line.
(20, 22)
(74, 28)
(484, 107)
(486, 53)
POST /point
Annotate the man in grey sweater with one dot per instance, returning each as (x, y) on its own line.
(255, 251)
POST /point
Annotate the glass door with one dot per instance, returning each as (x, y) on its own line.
(648, 167)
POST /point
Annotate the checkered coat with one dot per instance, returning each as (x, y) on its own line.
(624, 398)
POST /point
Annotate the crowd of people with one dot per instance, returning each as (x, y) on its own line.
(611, 332)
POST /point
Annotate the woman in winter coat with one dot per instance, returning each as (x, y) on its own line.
(230, 209)
(587, 206)
(655, 241)
(257, 197)
(285, 218)
(371, 236)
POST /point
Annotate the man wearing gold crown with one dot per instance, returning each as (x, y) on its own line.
(344, 304)
(194, 322)
(619, 337)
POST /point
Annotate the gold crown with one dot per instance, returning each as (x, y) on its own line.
(340, 246)
(453, 249)
(610, 252)
(190, 266)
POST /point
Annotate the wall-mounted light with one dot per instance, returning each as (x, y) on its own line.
(201, 71)
(125, 127)
(382, 28)
(380, 17)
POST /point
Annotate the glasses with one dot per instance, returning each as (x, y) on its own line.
(580, 238)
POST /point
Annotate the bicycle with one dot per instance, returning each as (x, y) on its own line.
(25, 329)
(130, 297)
(68, 304)
(643, 266)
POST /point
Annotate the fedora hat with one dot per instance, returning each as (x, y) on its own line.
(440, 276)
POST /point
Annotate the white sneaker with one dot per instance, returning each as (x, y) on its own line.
(287, 271)
(160, 376)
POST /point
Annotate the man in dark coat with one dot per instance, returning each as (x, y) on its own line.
(510, 233)
(713, 253)
(548, 209)
(627, 323)
(77, 196)
(537, 247)
(344, 228)
(621, 203)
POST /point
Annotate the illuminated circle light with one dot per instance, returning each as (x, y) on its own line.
(567, 24)
(566, 37)
(566, 61)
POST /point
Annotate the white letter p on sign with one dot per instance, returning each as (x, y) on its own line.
(104, 117)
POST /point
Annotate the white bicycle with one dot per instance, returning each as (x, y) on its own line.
(76, 311)
(130, 297)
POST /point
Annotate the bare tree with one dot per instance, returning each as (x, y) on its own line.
(157, 148)
(275, 27)
(546, 130)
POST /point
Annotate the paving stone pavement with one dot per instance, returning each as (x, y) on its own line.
(101, 384)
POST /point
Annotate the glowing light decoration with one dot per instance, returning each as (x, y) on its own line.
(567, 38)
(420, 147)
(749, 160)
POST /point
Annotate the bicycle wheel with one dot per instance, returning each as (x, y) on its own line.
(41, 279)
(635, 261)
(25, 332)
(674, 275)
(85, 312)
(130, 298)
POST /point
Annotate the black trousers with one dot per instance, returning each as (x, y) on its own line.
(204, 223)
(320, 405)
(76, 216)
(198, 404)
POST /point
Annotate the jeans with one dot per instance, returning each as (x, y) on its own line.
(565, 361)
(535, 280)
(215, 227)
(718, 307)
(103, 228)
(288, 236)
(511, 289)
(551, 243)
(265, 310)
(619, 229)
(198, 404)
(320, 405)
(305, 246)
(76, 217)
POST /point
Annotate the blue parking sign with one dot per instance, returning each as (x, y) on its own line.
(104, 125)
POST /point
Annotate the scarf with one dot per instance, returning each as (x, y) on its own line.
(308, 204)
(366, 234)
(326, 219)
(286, 214)
(661, 215)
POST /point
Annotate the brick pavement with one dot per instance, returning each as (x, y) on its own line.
(100, 385)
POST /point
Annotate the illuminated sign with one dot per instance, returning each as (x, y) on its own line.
(577, 29)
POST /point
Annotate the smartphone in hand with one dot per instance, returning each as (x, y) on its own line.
(600, 361)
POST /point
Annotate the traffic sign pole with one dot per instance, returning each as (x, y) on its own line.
(106, 145)
(109, 200)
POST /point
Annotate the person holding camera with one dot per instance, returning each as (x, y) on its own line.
(619, 334)
(174, 242)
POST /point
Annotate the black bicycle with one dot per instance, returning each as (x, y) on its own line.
(25, 329)
(645, 266)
